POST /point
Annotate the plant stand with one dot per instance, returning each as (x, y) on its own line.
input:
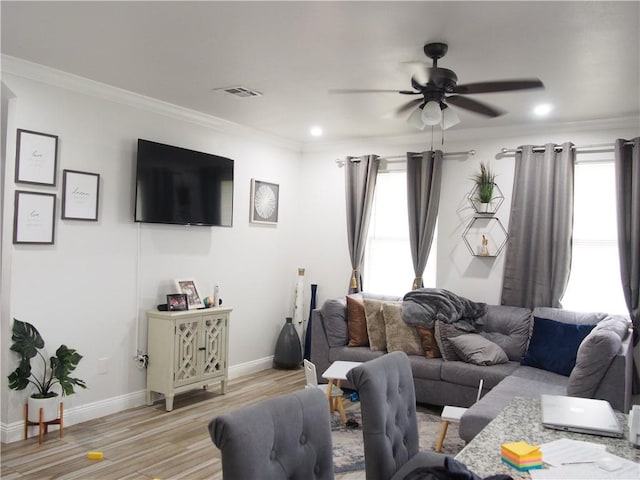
(43, 426)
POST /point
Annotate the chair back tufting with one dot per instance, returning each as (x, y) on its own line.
(389, 422)
(284, 438)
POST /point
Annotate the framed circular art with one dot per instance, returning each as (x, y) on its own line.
(264, 202)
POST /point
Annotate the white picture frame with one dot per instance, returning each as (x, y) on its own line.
(195, 297)
(36, 157)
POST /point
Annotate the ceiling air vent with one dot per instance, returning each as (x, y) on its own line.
(239, 91)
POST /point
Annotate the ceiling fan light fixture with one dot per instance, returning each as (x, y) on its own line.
(431, 113)
(449, 118)
(415, 119)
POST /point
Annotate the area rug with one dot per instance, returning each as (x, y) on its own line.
(348, 452)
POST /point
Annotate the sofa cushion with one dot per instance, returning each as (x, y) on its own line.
(569, 316)
(428, 342)
(334, 313)
(356, 322)
(443, 331)
(554, 345)
(509, 327)
(468, 374)
(473, 348)
(400, 336)
(422, 368)
(594, 356)
(375, 324)
(353, 354)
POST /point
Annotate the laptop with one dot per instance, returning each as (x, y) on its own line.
(582, 415)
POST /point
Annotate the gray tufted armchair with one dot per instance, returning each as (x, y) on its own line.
(284, 438)
(389, 423)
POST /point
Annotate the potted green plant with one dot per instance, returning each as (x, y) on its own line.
(28, 344)
(485, 182)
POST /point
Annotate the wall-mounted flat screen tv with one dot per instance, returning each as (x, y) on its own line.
(184, 187)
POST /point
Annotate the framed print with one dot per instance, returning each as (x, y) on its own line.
(80, 195)
(264, 202)
(177, 302)
(34, 217)
(36, 157)
(189, 288)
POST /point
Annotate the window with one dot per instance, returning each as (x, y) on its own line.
(388, 268)
(594, 282)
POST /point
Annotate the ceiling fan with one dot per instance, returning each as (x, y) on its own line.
(438, 89)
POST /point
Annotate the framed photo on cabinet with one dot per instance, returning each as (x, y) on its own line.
(36, 158)
(80, 195)
(194, 297)
(34, 218)
(264, 202)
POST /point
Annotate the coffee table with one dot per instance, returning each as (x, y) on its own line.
(337, 372)
(520, 420)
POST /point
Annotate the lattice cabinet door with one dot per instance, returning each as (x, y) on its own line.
(187, 348)
(214, 331)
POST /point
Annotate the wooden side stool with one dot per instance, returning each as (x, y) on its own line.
(449, 414)
(43, 426)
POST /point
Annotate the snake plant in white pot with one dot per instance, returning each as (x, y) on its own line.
(28, 344)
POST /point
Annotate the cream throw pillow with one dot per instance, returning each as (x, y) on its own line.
(400, 336)
(375, 324)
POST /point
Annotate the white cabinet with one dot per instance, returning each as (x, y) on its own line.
(186, 350)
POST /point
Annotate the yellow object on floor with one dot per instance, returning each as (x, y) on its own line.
(95, 455)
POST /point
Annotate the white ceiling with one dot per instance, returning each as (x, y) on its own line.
(587, 54)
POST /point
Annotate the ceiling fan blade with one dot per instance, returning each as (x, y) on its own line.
(474, 106)
(358, 90)
(402, 109)
(499, 86)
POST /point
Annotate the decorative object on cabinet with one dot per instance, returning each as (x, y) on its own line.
(36, 157)
(186, 350)
(264, 202)
(43, 405)
(34, 218)
(288, 354)
(485, 236)
(189, 288)
(80, 195)
(177, 302)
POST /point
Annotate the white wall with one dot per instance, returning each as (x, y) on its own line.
(91, 288)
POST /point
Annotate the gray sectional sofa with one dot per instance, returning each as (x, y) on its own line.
(603, 366)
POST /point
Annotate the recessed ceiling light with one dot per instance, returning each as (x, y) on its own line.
(542, 109)
(316, 131)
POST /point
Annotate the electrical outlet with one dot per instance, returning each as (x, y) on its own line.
(103, 365)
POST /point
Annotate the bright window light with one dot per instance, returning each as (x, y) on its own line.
(543, 109)
(316, 131)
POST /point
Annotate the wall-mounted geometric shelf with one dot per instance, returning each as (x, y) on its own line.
(485, 236)
(484, 208)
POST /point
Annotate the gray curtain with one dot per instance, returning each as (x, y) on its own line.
(627, 165)
(538, 258)
(424, 176)
(360, 182)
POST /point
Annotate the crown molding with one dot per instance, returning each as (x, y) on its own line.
(75, 83)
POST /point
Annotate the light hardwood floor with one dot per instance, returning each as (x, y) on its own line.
(147, 442)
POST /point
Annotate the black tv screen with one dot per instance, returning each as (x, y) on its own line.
(184, 187)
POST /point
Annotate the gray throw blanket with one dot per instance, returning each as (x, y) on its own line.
(424, 306)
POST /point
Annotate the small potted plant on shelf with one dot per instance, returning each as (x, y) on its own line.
(485, 182)
(28, 343)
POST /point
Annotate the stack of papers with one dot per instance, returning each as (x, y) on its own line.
(521, 456)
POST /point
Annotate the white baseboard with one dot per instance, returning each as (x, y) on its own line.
(14, 431)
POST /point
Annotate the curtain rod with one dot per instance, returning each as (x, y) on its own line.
(540, 148)
(399, 158)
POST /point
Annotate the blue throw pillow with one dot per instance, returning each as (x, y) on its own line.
(554, 345)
